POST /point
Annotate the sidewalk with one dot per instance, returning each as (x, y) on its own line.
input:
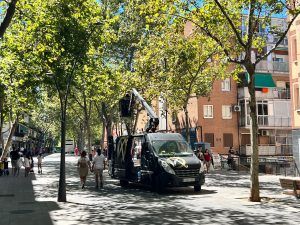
(18, 204)
(223, 200)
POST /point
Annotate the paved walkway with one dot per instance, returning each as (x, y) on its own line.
(223, 200)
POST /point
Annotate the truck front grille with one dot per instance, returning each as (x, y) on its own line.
(187, 173)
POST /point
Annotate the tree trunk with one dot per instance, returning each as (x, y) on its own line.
(9, 140)
(1, 116)
(88, 134)
(254, 190)
(8, 17)
(62, 196)
(187, 125)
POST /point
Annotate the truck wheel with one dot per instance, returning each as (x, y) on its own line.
(197, 188)
(123, 183)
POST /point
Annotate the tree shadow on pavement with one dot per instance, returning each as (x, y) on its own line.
(19, 206)
(136, 204)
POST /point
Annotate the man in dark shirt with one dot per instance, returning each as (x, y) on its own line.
(14, 156)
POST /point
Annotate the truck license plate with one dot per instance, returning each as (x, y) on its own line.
(188, 179)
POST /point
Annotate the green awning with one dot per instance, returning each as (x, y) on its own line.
(263, 80)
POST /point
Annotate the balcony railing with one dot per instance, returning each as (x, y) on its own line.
(274, 93)
(266, 150)
(273, 121)
(267, 121)
(268, 66)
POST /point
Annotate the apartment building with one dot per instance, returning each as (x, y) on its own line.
(294, 57)
(223, 119)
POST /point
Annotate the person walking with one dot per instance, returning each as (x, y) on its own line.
(207, 160)
(19, 165)
(27, 164)
(6, 171)
(230, 158)
(83, 168)
(98, 166)
(14, 156)
(39, 163)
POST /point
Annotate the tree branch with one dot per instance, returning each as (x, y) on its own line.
(216, 39)
(8, 17)
(239, 38)
(252, 27)
(279, 41)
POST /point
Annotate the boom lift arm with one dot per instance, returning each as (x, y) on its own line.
(154, 120)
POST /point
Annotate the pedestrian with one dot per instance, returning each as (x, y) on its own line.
(1, 168)
(83, 168)
(212, 161)
(31, 164)
(5, 167)
(14, 156)
(200, 154)
(207, 160)
(19, 165)
(27, 165)
(40, 159)
(76, 151)
(98, 166)
(229, 158)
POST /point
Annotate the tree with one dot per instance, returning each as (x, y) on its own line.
(221, 21)
(63, 33)
(18, 83)
(170, 57)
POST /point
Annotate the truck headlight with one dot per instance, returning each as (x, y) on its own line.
(167, 167)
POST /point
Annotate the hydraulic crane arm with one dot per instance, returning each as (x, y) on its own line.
(154, 121)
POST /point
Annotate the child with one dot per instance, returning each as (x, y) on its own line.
(1, 168)
(27, 165)
(40, 159)
(6, 171)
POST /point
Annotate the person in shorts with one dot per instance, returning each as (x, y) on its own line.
(39, 163)
(97, 167)
(14, 156)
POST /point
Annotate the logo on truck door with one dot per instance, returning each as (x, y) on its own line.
(177, 162)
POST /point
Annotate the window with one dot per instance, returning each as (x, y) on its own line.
(280, 84)
(226, 84)
(278, 59)
(209, 138)
(296, 97)
(262, 113)
(208, 111)
(294, 49)
(227, 139)
(226, 112)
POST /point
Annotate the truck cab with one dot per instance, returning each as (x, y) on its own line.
(156, 159)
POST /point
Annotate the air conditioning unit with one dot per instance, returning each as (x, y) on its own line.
(236, 108)
(265, 133)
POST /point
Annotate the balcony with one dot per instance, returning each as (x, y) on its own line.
(273, 93)
(269, 150)
(273, 121)
(274, 40)
(276, 93)
(271, 67)
(267, 121)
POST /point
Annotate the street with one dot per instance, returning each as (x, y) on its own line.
(223, 200)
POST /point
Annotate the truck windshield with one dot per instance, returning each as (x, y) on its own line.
(171, 147)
